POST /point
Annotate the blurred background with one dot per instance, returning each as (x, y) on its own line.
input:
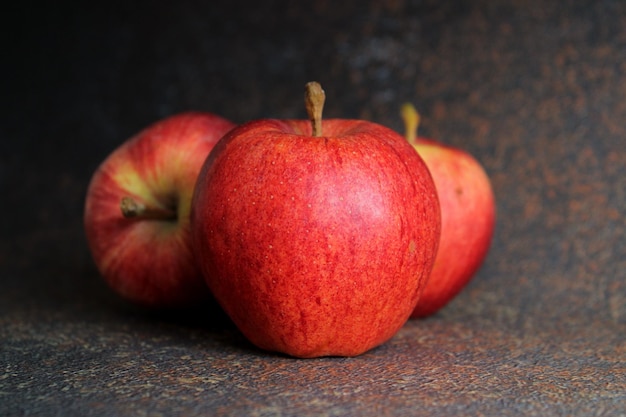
(535, 90)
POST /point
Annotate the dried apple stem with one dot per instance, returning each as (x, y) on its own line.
(314, 98)
(411, 122)
(133, 209)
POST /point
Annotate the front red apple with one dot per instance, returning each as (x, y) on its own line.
(137, 211)
(314, 245)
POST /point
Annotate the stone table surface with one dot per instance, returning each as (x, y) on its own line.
(535, 90)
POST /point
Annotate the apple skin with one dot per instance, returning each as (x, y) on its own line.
(314, 246)
(467, 222)
(149, 261)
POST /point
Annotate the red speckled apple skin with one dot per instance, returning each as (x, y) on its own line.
(315, 246)
(150, 262)
(467, 222)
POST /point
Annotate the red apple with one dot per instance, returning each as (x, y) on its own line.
(137, 211)
(467, 217)
(311, 241)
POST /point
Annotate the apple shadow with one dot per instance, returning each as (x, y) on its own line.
(75, 291)
(207, 316)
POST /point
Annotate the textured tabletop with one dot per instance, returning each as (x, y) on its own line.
(535, 90)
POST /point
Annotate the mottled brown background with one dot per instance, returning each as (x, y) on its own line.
(536, 90)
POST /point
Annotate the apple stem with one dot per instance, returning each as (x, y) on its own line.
(411, 122)
(314, 98)
(132, 208)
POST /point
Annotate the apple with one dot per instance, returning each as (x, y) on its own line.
(315, 236)
(467, 216)
(137, 207)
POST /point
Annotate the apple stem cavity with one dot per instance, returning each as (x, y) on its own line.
(133, 209)
(411, 122)
(314, 98)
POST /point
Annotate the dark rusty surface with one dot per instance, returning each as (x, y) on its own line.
(535, 90)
